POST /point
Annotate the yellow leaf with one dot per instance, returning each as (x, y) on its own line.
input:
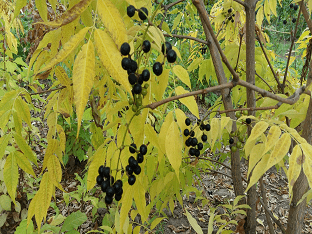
(42, 8)
(62, 76)
(259, 17)
(23, 163)
(97, 160)
(10, 175)
(23, 110)
(164, 130)
(126, 203)
(259, 170)
(180, 115)
(113, 21)
(189, 102)
(215, 130)
(140, 202)
(18, 6)
(111, 58)
(174, 146)
(257, 130)
(273, 4)
(280, 150)
(295, 161)
(66, 50)
(255, 156)
(163, 84)
(193, 223)
(183, 75)
(83, 78)
(151, 135)
(17, 123)
(272, 137)
(176, 21)
(156, 222)
(4, 143)
(51, 148)
(55, 170)
(25, 148)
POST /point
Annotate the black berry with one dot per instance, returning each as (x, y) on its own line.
(157, 68)
(192, 133)
(192, 151)
(120, 192)
(230, 10)
(137, 88)
(131, 180)
(146, 75)
(202, 126)
(200, 146)
(108, 200)
(101, 170)
(106, 172)
(130, 11)
(143, 13)
(197, 152)
(126, 63)
(291, 5)
(117, 186)
(131, 161)
(140, 158)
(168, 47)
(132, 148)
(188, 142)
(137, 170)
(133, 66)
(140, 80)
(132, 78)
(99, 179)
(204, 137)
(284, 21)
(118, 197)
(104, 185)
(186, 132)
(146, 46)
(295, 7)
(125, 49)
(231, 141)
(232, 21)
(207, 127)
(129, 170)
(110, 191)
(143, 149)
(187, 122)
(293, 20)
(171, 56)
(194, 141)
(248, 121)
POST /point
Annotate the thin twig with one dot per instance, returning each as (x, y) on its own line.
(239, 49)
(187, 37)
(249, 109)
(265, 82)
(306, 15)
(275, 30)
(49, 90)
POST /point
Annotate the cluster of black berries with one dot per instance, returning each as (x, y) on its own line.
(133, 166)
(295, 7)
(231, 16)
(106, 181)
(192, 140)
(171, 55)
(143, 12)
(203, 49)
(239, 143)
(134, 79)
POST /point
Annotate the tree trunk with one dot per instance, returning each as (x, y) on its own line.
(251, 101)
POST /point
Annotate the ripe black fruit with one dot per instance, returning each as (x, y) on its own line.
(108, 200)
(248, 121)
(137, 88)
(117, 186)
(118, 197)
(132, 78)
(192, 151)
(231, 141)
(104, 185)
(186, 132)
(197, 152)
(140, 80)
(131, 180)
(295, 7)
(188, 142)
(146, 46)
(200, 146)
(157, 68)
(125, 49)
(133, 66)
(168, 47)
(143, 149)
(126, 63)
(137, 170)
(101, 170)
(291, 5)
(143, 13)
(106, 172)
(110, 191)
(120, 192)
(194, 141)
(146, 75)
(187, 122)
(202, 126)
(204, 137)
(140, 158)
(130, 11)
(284, 21)
(131, 160)
(132, 148)
(171, 56)
(99, 179)
(232, 21)
(230, 10)
(192, 133)
(293, 20)
(129, 170)
(207, 127)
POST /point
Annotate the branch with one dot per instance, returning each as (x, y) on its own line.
(49, 90)
(265, 82)
(187, 37)
(239, 49)
(241, 2)
(270, 65)
(306, 15)
(249, 108)
(275, 30)
(203, 14)
(293, 37)
(166, 7)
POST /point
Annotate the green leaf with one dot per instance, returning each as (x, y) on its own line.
(193, 223)
(3, 144)
(23, 163)
(5, 202)
(10, 175)
(73, 221)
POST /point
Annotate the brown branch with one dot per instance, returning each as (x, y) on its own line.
(241, 2)
(270, 65)
(272, 30)
(272, 216)
(172, 4)
(265, 82)
(187, 37)
(239, 49)
(203, 14)
(306, 15)
(293, 38)
(265, 203)
(49, 90)
(249, 108)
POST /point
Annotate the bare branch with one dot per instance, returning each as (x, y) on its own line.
(49, 90)
(306, 15)
(172, 4)
(249, 108)
(187, 37)
(265, 82)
